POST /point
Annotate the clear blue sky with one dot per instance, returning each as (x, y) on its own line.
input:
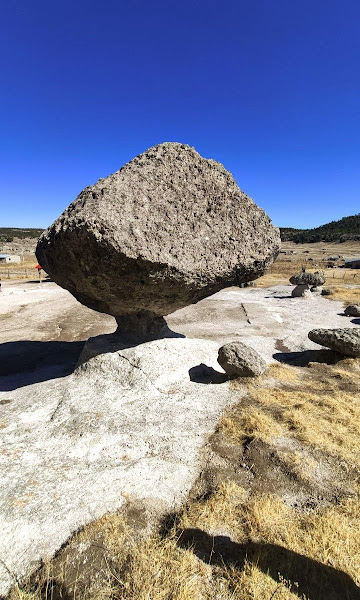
(270, 88)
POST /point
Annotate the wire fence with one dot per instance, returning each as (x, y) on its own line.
(26, 273)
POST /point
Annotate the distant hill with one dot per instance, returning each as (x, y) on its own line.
(347, 228)
(7, 234)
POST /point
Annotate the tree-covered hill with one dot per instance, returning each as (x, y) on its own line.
(7, 234)
(347, 228)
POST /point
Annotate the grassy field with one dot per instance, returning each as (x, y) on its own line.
(313, 257)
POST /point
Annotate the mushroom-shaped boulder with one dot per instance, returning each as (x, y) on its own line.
(167, 230)
(305, 278)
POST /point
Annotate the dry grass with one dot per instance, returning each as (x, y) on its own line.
(284, 373)
(313, 257)
(322, 412)
(346, 294)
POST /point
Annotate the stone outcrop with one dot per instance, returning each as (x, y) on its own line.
(238, 360)
(353, 310)
(344, 341)
(167, 230)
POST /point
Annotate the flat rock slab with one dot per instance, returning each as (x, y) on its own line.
(267, 319)
(129, 423)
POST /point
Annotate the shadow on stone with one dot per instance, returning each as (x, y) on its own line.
(25, 362)
(206, 375)
(302, 359)
(313, 579)
(37, 281)
(355, 321)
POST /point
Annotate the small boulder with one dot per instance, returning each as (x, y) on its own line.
(238, 360)
(326, 292)
(344, 341)
(300, 291)
(353, 310)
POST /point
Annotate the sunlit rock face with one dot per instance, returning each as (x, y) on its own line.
(167, 230)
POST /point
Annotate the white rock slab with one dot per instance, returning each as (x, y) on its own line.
(125, 423)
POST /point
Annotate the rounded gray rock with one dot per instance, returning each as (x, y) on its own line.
(300, 291)
(353, 310)
(238, 360)
(345, 341)
(327, 292)
(167, 230)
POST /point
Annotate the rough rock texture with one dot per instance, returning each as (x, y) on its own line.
(167, 230)
(311, 279)
(344, 341)
(353, 310)
(238, 360)
(299, 290)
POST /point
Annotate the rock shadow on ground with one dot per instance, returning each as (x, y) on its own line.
(206, 375)
(314, 579)
(304, 358)
(26, 362)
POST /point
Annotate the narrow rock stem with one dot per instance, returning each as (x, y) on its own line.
(143, 326)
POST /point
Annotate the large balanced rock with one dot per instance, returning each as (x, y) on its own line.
(238, 360)
(344, 341)
(167, 230)
(353, 310)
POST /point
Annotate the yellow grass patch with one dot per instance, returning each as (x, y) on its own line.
(284, 373)
(248, 422)
(346, 294)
